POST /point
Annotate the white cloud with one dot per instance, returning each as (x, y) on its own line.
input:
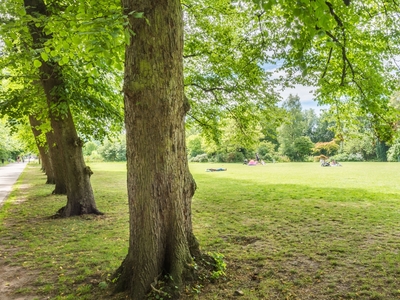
(305, 93)
(306, 96)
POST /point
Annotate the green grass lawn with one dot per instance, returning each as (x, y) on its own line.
(287, 231)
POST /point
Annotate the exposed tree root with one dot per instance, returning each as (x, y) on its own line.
(83, 211)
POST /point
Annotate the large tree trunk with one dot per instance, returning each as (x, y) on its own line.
(43, 149)
(80, 198)
(160, 186)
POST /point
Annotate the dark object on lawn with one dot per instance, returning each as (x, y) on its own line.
(216, 170)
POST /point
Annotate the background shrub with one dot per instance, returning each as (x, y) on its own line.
(393, 153)
(199, 158)
(235, 157)
(348, 157)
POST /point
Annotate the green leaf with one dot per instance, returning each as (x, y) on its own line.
(8, 42)
(44, 56)
(13, 35)
(77, 39)
(64, 60)
(37, 63)
(138, 15)
(267, 5)
(21, 11)
(90, 80)
(127, 37)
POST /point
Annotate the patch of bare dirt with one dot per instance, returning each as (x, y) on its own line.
(24, 189)
(12, 279)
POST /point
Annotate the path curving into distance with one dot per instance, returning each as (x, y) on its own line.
(8, 176)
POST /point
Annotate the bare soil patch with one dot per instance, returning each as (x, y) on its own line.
(12, 279)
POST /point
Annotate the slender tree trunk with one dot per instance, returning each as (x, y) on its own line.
(57, 163)
(160, 186)
(43, 168)
(40, 144)
(48, 168)
(80, 198)
(43, 149)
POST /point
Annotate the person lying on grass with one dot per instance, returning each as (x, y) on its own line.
(216, 170)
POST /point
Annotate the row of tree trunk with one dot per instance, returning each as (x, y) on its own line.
(62, 154)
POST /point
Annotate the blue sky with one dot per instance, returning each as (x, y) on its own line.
(306, 97)
(304, 92)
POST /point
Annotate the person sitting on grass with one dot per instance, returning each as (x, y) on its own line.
(334, 163)
(252, 162)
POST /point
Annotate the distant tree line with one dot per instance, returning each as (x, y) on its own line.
(296, 135)
(111, 150)
(12, 144)
(301, 135)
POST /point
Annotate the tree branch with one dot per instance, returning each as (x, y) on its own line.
(210, 90)
(194, 55)
(344, 59)
(260, 27)
(201, 123)
(335, 16)
(327, 63)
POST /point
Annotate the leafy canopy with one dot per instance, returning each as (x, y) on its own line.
(347, 49)
(85, 39)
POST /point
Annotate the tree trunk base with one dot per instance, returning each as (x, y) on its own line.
(61, 213)
(201, 272)
(59, 190)
(122, 277)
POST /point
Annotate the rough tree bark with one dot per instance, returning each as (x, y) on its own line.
(57, 162)
(43, 150)
(46, 164)
(160, 186)
(80, 198)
